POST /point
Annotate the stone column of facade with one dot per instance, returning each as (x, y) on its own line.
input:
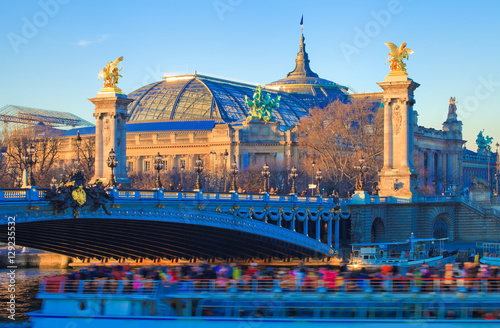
(111, 133)
(397, 177)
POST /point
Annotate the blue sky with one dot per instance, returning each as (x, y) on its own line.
(52, 50)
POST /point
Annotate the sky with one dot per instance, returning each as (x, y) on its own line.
(52, 50)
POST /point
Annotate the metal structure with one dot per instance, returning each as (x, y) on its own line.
(158, 166)
(198, 168)
(32, 116)
(265, 174)
(112, 163)
(234, 172)
(30, 159)
(293, 176)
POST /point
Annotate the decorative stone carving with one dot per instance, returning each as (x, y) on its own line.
(397, 119)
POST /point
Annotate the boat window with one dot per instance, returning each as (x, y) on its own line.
(365, 257)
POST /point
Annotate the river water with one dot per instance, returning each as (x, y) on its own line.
(27, 286)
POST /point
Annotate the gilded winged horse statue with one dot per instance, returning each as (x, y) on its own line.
(110, 73)
(397, 55)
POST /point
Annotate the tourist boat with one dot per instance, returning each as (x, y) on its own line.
(412, 252)
(152, 304)
(491, 253)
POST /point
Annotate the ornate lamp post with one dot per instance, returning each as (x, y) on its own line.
(182, 174)
(265, 173)
(78, 141)
(293, 176)
(53, 183)
(30, 159)
(112, 163)
(234, 172)
(225, 156)
(361, 168)
(319, 177)
(158, 165)
(198, 168)
(312, 177)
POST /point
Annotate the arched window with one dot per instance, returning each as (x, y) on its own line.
(440, 229)
(378, 231)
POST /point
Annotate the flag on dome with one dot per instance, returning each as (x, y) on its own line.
(302, 23)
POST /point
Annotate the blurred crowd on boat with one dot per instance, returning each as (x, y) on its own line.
(302, 277)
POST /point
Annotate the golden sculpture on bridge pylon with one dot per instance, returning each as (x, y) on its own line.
(110, 74)
(396, 57)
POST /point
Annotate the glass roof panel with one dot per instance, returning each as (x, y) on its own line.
(195, 102)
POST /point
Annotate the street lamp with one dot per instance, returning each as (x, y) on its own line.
(182, 174)
(30, 159)
(319, 177)
(112, 163)
(234, 172)
(312, 177)
(158, 165)
(53, 184)
(293, 176)
(361, 168)
(265, 173)
(225, 156)
(198, 168)
(78, 141)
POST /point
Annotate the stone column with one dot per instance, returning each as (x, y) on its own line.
(111, 133)
(397, 177)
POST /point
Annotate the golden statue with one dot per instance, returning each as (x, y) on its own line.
(396, 57)
(110, 74)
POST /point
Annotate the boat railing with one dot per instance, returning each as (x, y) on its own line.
(99, 287)
(360, 285)
(334, 285)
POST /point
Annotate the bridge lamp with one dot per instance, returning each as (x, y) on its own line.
(30, 159)
(234, 172)
(78, 142)
(265, 173)
(198, 168)
(182, 173)
(293, 176)
(319, 177)
(361, 168)
(225, 156)
(313, 164)
(158, 165)
(112, 163)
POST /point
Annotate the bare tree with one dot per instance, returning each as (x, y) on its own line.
(87, 157)
(337, 136)
(46, 146)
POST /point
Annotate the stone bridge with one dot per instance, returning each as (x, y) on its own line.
(158, 224)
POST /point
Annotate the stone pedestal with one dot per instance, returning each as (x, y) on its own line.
(360, 197)
(398, 175)
(111, 133)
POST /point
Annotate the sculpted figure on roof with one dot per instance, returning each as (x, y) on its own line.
(261, 106)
